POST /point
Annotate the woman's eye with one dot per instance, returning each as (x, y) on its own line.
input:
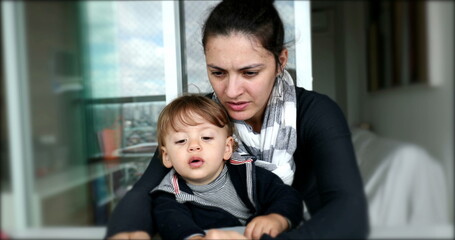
(250, 74)
(217, 73)
(180, 141)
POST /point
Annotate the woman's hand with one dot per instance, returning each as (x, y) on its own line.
(272, 224)
(139, 235)
(197, 237)
(221, 234)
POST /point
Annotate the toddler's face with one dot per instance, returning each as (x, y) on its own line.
(197, 152)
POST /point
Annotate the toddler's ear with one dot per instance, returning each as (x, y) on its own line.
(165, 158)
(228, 148)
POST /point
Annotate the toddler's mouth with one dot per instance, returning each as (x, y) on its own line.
(195, 162)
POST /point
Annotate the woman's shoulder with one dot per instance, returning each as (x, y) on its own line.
(308, 100)
(317, 111)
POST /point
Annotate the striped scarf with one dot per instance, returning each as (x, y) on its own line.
(274, 147)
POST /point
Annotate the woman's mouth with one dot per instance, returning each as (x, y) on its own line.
(237, 106)
(195, 162)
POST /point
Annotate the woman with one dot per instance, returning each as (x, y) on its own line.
(300, 135)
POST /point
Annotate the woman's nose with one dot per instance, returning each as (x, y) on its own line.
(234, 87)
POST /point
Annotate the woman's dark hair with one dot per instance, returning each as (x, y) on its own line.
(258, 19)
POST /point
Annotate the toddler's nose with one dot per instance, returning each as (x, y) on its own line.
(194, 147)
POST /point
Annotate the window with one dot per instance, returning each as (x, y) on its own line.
(85, 82)
(124, 75)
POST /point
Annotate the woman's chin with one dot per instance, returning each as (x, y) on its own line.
(239, 116)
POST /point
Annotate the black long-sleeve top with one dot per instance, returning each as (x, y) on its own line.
(269, 193)
(327, 177)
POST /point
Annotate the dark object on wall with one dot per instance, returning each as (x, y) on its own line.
(397, 44)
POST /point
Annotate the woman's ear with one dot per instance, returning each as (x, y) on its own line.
(229, 148)
(283, 58)
(165, 158)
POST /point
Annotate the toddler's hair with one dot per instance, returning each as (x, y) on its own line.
(184, 108)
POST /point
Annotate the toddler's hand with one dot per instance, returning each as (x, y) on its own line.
(272, 224)
(139, 235)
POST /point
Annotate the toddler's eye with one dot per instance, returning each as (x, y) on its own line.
(180, 141)
(207, 138)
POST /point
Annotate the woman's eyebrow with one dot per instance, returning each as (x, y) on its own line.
(251, 66)
(213, 66)
(241, 69)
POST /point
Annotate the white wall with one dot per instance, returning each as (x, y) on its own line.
(419, 114)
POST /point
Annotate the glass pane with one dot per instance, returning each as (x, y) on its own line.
(95, 77)
(55, 89)
(286, 11)
(195, 13)
(124, 48)
(105, 129)
(4, 152)
(124, 130)
(139, 121)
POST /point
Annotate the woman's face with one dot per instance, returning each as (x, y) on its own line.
(242, 74)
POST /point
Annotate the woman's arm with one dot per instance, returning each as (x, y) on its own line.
(274, 196)
(279, 206)
(133, 213)
(174, 220)
(327, 174)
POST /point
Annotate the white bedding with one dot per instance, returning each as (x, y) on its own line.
(404, 185)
